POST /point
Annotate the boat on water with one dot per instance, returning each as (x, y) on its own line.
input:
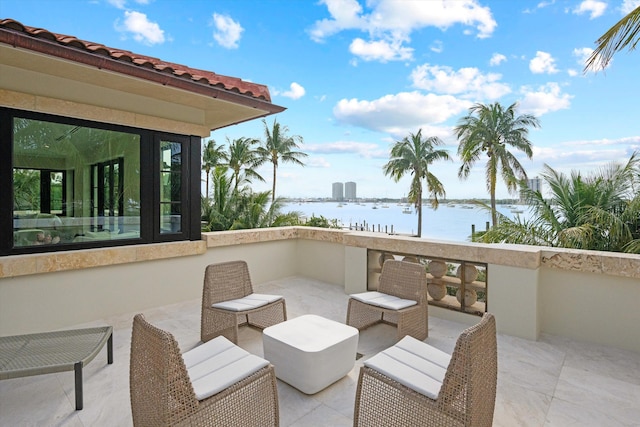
(407, 210)
(517, 211)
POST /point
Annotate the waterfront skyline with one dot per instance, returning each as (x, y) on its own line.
(356, 76)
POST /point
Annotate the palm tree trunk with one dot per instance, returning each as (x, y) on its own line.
(494, 215)
(273, 192)
(419, 206)
(207, 187)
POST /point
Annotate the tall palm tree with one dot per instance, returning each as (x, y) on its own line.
(600, 211)
(242, 158)
(413, 155)
(625, 32)
(212, 156)
(491, 129)
(277, 146)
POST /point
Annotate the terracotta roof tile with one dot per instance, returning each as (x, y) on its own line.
(231, 84)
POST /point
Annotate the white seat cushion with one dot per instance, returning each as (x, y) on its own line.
(384, 300)
(414, 364)
(247, 303)
(218, 364)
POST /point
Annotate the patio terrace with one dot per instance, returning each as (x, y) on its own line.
(554, 381)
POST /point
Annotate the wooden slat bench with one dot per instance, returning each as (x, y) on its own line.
(50, 352)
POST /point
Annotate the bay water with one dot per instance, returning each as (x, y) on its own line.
(449, 222)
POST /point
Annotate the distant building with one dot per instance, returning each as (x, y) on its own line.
(350, 190)
(337, 192)
(533, 184)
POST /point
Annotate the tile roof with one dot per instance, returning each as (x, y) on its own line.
(11, 31)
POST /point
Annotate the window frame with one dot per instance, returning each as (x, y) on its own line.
(149, 185)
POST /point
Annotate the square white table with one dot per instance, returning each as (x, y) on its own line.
(310, 352)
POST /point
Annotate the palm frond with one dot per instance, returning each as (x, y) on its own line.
(625, 32)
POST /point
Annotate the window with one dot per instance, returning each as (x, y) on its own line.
(83, 184)
(170, 187)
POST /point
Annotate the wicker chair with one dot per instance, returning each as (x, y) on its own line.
(462, 386)
(228, 301)
(195, 389)
(400, 300)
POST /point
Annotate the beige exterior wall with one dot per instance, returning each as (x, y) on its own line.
(564, 293)
(590, 307)
(513, 298)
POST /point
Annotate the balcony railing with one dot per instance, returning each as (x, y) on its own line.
(456, 285)
(584, 295)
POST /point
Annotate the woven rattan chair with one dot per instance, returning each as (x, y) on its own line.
(196, 388)
(401, 300)
(414, 384)
(228, 301)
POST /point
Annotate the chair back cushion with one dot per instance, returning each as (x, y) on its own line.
(403, 279)
(226, 281)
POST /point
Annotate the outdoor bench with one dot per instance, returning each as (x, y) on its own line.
(50, 352)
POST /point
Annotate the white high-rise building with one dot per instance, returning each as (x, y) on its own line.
(534, 184)
(337, 192)
(350, 190)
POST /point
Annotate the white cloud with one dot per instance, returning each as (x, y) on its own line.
(295, 91)
(593, 7)
(582, 54)
(317, 162)
(380, 50)
(345, 14)
(143, 30)
(497, 59)
(400, 113)
(120, 4)
(362, 149)
(628, 5)
(437, 46)
(543, 63)
(545, 99)
(572, 72)
(468, 82)
(389, 23)
(227, 32)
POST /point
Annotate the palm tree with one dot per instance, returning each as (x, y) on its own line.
(219, 211)
(212, 156)
(492, 130)
(625, 32)
(597, 212)
(256, 211)
(413, 155)
(277, 146)
(243, 158)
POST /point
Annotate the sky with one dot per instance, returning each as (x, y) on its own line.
(358, 75)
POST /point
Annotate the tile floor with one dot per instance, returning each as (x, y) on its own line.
(551, 382)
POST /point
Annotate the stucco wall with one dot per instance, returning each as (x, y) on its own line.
(590, 307)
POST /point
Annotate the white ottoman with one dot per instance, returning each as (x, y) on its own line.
(310, 352)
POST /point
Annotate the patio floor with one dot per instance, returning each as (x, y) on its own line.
(551, 382)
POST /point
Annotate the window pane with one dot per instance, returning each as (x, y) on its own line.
(74, 184)
(170, 187)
